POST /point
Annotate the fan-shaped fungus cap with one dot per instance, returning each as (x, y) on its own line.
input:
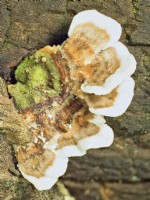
(101, 22)
(87, 131)
(116, 102)
(89, 33)
(50, 174)
(114, 64)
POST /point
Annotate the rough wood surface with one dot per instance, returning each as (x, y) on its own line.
(10, 121)
(121, 172)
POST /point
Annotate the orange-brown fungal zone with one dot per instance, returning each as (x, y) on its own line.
(37, 164)
(81, 45)
(104, 65)
(81, 128)
(97, 101)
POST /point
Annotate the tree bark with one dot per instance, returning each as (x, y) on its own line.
(11, 123)
(121, 172)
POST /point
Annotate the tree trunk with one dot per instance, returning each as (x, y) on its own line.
(121, 172)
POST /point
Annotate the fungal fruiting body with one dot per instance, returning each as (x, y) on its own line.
(63, 92)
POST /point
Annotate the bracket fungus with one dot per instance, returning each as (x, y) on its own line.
(63, 93)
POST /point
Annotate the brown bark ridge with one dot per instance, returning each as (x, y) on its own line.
(121, 172)
(10, 122)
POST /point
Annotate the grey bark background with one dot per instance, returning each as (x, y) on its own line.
(121, 172)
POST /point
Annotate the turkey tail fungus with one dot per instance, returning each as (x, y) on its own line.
(61, 95)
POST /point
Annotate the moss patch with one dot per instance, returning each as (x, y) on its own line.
(38, 80)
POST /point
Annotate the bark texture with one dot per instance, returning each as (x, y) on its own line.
(121, 172)
(10, 122)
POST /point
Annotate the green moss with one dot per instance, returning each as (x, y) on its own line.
(38, 80)
(135, 6)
